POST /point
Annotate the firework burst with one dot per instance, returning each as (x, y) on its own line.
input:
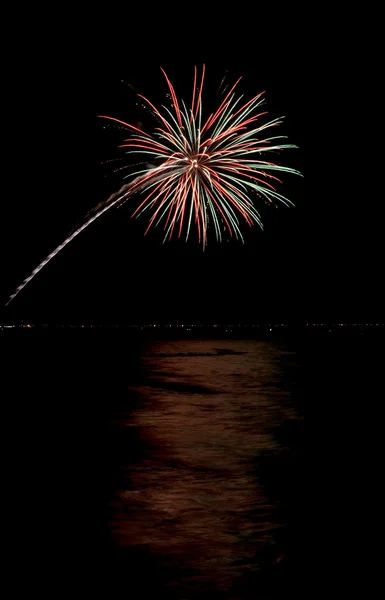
(208, 173)
(197, 173)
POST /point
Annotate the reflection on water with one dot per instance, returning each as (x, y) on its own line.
(195, 444)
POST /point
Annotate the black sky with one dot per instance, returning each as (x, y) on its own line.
(320, 261)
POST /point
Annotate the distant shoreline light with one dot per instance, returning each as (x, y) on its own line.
(186, 326)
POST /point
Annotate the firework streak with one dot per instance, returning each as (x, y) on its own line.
(206, 173)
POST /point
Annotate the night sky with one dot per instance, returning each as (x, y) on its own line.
(318, 262)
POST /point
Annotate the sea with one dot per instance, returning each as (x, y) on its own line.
(170, 464)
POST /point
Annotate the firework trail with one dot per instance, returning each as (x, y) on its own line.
(100, 209)
(206, 173)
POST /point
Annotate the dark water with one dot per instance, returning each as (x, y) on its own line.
(176, 468)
